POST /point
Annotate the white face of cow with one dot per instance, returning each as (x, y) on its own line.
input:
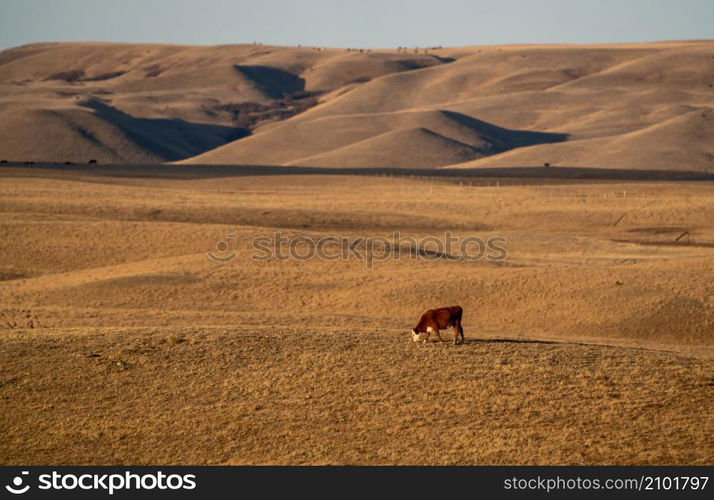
(416, 336)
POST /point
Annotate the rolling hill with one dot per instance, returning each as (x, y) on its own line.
(632, 106)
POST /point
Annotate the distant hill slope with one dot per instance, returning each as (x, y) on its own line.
(640, 106)
(406, 147)
(379, 139)
(684, 142)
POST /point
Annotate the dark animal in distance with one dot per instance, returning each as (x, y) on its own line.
(434, 320)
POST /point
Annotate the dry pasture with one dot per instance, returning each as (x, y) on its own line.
(121, 342)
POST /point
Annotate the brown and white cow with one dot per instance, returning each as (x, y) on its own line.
(434, 320)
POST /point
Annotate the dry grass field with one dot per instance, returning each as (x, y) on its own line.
(121, 342)
(136, 326)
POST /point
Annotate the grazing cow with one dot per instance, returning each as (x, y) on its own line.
(434, 320)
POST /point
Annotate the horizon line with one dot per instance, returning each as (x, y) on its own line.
(310, 46)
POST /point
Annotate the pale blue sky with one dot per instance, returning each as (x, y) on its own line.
(355, 23)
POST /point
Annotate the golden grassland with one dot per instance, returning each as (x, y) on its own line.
(121, 342)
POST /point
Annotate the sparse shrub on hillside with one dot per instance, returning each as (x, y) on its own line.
(249, 114)
(153, 71)
(68, 76)
(104, 76)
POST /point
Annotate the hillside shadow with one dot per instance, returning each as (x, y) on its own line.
(274, 82)
(512, 341)
(169, 139)
(505, 139)
(444, 60)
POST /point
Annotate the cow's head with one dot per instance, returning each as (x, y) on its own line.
(416, 335)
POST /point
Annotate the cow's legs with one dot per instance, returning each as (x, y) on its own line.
(430, 330)
(458, 331)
